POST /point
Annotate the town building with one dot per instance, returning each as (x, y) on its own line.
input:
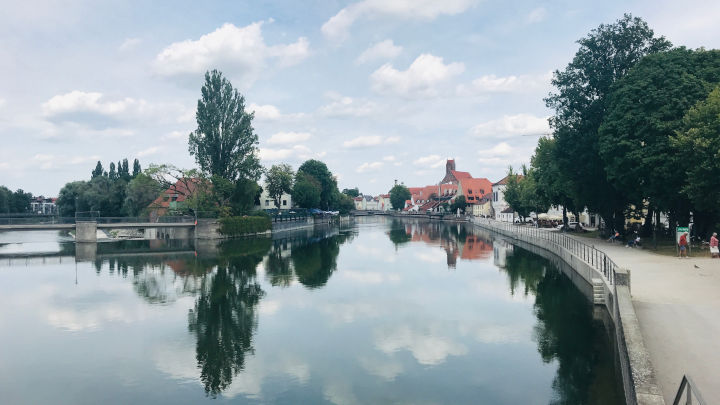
(174, 199)
(267, 203)
(43, 206)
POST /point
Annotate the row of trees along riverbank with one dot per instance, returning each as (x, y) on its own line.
(635, 132)
(225, 183)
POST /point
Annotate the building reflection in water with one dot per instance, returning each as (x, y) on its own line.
(458, 240)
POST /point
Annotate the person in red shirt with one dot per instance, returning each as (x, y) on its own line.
(714, 252)
(682, 243)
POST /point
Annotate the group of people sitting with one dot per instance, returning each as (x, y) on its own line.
(632, 242)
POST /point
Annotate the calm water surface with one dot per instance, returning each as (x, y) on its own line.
(380, 312)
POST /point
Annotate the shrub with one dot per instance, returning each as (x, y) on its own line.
(236, 226)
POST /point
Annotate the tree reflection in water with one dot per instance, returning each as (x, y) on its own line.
(565, 332)
(224, 318)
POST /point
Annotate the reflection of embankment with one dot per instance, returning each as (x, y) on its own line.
(311, 261)
(565, 331)
(458, 240)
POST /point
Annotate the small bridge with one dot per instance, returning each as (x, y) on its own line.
(86, 228)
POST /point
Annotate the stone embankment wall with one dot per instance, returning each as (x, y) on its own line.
(638, 375)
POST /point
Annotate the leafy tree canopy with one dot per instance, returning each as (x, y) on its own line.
(278, 181)
(224, 143)
(398, 195)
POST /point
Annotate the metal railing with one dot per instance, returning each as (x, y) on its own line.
(588, 253)
(99, 220)
(688, 386)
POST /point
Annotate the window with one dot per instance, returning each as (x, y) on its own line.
(267, 203)
(469, 191)
(284, 202)
(165, 198)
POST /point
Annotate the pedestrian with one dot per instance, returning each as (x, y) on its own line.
(714, 252)
(682, 243)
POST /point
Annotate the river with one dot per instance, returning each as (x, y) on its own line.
(383, 311)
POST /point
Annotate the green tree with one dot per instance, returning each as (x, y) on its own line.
(278, 181)
(352, 192)
(580, 101)
(5, 197)
(645, 111)
(136, 168)
(306, 190)
(224, 143)
(112, 174)
(140, 193)
(398, 195)
(125, 173)
(98, 170)
(459, 203)
(343, 203)
(699, 137)
(552, 186)
(20, 202)
(328, 185)
(72, 198)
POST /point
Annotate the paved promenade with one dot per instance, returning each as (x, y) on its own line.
(677, 302)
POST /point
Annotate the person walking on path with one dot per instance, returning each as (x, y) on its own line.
(682, 243)
(714, 252)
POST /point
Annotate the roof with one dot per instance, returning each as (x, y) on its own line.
(479, 186)
(384, 195)
(460, 175)
(507, 210)
(504, 180)
(181, 190)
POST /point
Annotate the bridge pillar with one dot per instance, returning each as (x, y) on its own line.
(85, 252)
(86, 231)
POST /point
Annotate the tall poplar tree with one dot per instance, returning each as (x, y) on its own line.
(224, 143)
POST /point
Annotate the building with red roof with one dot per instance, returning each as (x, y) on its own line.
(174, 198)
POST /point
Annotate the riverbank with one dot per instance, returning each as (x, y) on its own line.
(677, 304)
(638, 374)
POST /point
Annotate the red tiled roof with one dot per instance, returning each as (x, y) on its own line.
(181, 190)
(460, 175)
(475, 187)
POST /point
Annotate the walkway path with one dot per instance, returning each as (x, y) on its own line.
(677, 302)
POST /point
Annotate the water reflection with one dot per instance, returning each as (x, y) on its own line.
(359, 315)
(458, 240)
(565, 331)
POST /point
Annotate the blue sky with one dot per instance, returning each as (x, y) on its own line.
(378, 89)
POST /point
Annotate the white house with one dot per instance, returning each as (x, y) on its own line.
(499, 205)
(267, 203)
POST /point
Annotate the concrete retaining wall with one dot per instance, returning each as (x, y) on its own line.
(638, 376)
(293, 225)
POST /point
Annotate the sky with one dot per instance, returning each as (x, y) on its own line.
(378, 89)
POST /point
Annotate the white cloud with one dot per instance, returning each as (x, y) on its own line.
(512, 125)
(537, 15)
(337, 26)
(129, 44)
(385, 369)
(506, 84)
(174, 135)
(89, 102)
(389, 158)
(2, 102)
(288, 137)
(342, 106)
(422, 78)
(369, 277)
(239, 51)
(271, 113)
(369, 166)
(501, 149)
(430, 161)
(370, 140)
(298, 151)
(46, 161)
(427, 346)
(380, 51)
(149, 151)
